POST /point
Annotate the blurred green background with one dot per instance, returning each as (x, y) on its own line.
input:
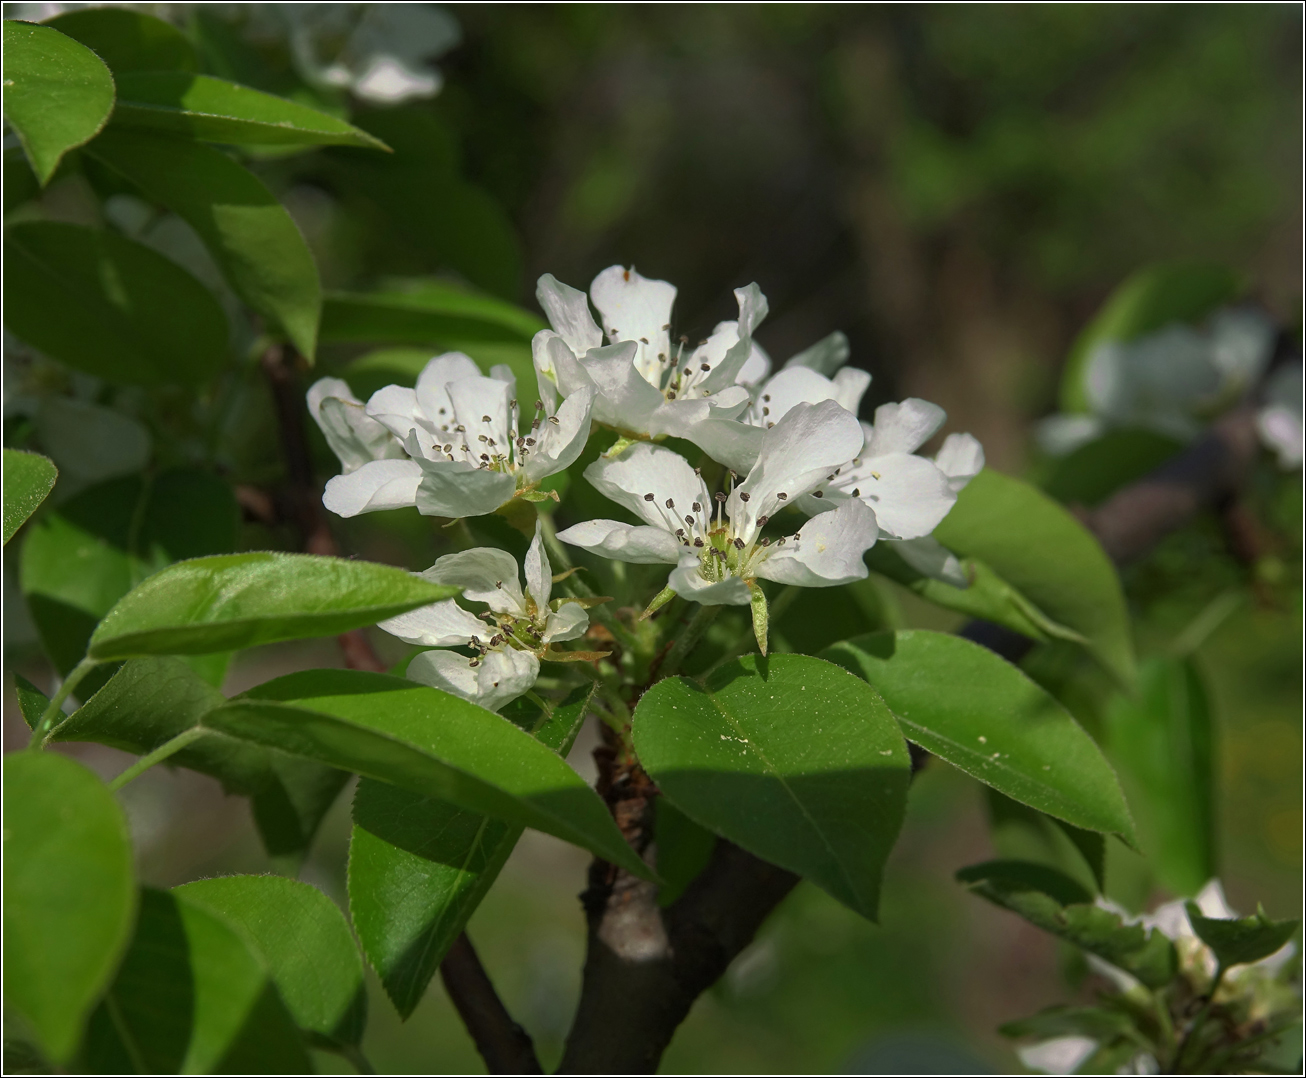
(957, 189)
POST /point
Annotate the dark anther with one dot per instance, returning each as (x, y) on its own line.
(857, 492)
(782, 496)
(689, 521)
(743, 497)
(818, 494)
(670, 504)
(739, 544)
(705, 367)
(762, 520)
(697, 508)
(648, 497)
(719, 496)
(485, 419)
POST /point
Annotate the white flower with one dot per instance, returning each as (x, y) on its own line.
(516, 633)
(716, 543)
(354, 436)
(646, 386)
(467, 448)
(1279, 421)
(1059, 1055)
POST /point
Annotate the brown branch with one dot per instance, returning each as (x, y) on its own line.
(503, 1044)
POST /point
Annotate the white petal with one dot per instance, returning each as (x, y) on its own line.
(927, 555)
(1280, 429)
(559, 443)
(397, 409)
(755, 368)
(546, 374)
(851, 384)
(635, 308)
(792, 386)
(910, 496)
(353, 435)
(329, 387)
(1059, 435)
(797, 455)
(377, 485)
(645, 470)
(1060, 1055)
(825, 357)
(481, 405)
(1242, 343)
(438, 373)
(961, 459)
(568, 622)
(679, 418)
(485, 574)
(456, 489)
(626, 399)
(729, 442)
(903, 428)
(640, 545)
(498, 679)
(501, 372)
(686, 581)
(568, 313)
(752, 309)
(439, 625)
(539, 573)
(829, 552)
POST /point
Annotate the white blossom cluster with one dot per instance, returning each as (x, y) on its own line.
(461, 444)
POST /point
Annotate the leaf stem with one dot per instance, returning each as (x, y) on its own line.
(698, 625)
(46, 728)
(160, 754)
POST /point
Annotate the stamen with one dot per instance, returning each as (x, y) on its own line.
(763, 520)
(782, 496)
(818, 494)
(670, 504)
(743, 497)
(648, 497)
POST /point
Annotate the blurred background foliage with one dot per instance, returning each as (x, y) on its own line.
(957, 188)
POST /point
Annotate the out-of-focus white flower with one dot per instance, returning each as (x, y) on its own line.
(1279, 420)
(716, 543)
(1169, 381)
(465, 447)
(1060, 1055)
(509, 643)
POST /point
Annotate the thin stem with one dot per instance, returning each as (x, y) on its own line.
(691, 636)
(160, 754)
(354, 1055)
(503, 1044)
(45, 729)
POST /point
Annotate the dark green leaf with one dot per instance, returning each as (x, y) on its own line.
(58, 93)
(1096, 1022)
(1057, 904)
(109, 306)
(423, 312)
(1150, 300)
(1041, 550)
(28, 478)
(429, 742)
(241, 600)
(684, 849)
(419, 866)
(128, 40)
(789, 758)
(191, 997)
(981, 714)
(305, 943)
(150, 701)
(1248, 939)
(20, 183)
(213, 110)
(249, 233)
(69, 896)
(1161, 742)
(1022, 833)
(816, 619)
(1093, 472)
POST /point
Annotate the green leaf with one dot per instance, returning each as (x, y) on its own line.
(1096, 1022)
(128, 40)
(1057, 904)
(1248, 939)
(789, 758)
(429, 742)
(253, 239)
(58, 93)
(1149, 300)
(69, 897)
(150, 701)
(29, 478)
(421, 311)
(304, 941)
(191, 997)
(419, 866)
(1093, 472)
(214, 110)
(815, 619)
(20, 184)
(1049, 557)
(684, 849)
(1022, 833)
(981, 714)
(241, 600)
(1161, 740)
(110, 307)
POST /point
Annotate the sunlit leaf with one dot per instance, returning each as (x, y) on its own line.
(28, 478)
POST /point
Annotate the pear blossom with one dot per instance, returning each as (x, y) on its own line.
(716, 542)
(466, 446)
(517, 631)
(1279, 420)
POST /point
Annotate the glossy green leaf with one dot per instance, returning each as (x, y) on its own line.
(429, 742)
(1161, 740)
(58, 93)
(241, 600)
(150, 701)
(214, 110)
(684, 850)
(1149, 300)
(82, 558)
(1021, 833)
(968, 706)
(419, 866)
(191, 997)
(817, 618)
(28, 479)
(1239, 940)
(253, 239)
(1057, 904)
(305, 943)
(790, 758)
(128, 40)
(423, 312)
(1093, 472)
(69, 896)
(110, 307)
(1096, 1022)
(1040, 549)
